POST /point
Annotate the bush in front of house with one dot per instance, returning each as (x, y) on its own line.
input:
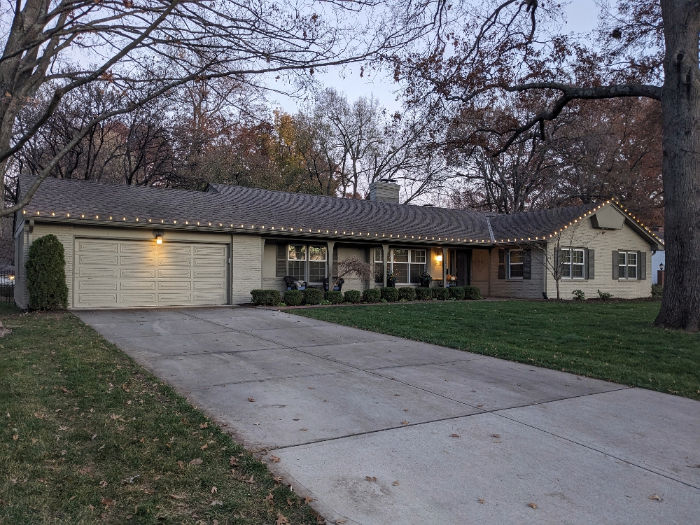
(579, 295)
(266, 297)
(313, 296)
(293, 297)
(457, 293)
(390, 293)
(407, 294)
(441, 294)
(424, 294)
(657, 291)
(373, 295)
(334, 296)
(353, 296)
(472, 293)
(46, 274)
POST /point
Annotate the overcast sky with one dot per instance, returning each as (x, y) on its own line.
(581, 17)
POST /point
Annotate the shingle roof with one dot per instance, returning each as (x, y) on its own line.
(236, 208)
(535, 223)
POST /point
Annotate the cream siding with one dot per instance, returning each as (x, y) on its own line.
(604, 242)
(246, 272)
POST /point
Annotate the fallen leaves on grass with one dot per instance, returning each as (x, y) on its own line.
(204, 425)
(274, 459)
(196, 461)
(269, 499)
(307, 500)
(233, 461)
(107, 502)
(103, 484)
(214, 490)
(178, 496)
(281, 520)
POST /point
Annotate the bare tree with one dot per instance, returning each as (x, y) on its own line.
(146, 48)
(498, 50)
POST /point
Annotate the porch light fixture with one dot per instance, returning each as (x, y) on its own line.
(438, 258)
(159, 237)
(661, 267)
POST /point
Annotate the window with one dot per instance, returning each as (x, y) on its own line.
(406, 265)
(378, 265)
(573, 263)
(627, 264)
(516, 264)
(302, 259)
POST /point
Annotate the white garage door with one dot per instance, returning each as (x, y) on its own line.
(123, 274)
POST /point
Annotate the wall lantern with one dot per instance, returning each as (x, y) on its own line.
(661, 267)
(438, 258)
(159, 237)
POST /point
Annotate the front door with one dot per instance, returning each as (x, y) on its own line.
(463, 263)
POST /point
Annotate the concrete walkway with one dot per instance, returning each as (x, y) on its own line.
(381, 430)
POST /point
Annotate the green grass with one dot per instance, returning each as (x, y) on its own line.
(611, 341)
(88, 436)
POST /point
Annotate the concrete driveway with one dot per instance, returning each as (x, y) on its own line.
(382, 430)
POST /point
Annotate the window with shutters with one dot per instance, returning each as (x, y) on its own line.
(627, 265)
(573, 263)
(405, 264)
(516, 260)
(379, 265)
(307, 262)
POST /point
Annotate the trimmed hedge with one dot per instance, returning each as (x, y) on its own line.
(390, 293)
(293, 297)
(353, 296)
(472, 293)
(457, 292)
(408, 294)
(441, 294)
(373, 295)
(266, 297)
(312, 296)
(46, 274)
(424, 294)
(334, 296)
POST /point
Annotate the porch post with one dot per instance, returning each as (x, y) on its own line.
(330, 245)
(385, 248)
(444, 266)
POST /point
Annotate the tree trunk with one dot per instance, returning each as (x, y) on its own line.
(680, 307)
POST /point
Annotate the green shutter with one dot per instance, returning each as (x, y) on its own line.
(527, 264)
(616, 267)
(590, 264)
(501, 264)
(281, 260)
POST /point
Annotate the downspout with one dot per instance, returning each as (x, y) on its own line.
(493, 240)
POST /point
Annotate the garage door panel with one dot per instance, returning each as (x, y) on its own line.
(98, 260)
(97, 247)
(216, 251)
(141, 273)
(89, 299)
(174, 285)
(103, 273)
(137, 285)
(146, 273)
(210, 273)
(137, 299)
(97, 285)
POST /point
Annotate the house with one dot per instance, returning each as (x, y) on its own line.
(131, 246)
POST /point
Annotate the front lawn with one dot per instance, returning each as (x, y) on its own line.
(88, 436)
(612, 341)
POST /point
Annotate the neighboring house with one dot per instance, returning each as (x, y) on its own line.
(131, 246)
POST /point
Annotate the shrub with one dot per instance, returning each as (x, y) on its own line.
(578, 295)
(390, 293)
(604, 296)
(313, 296)
(457, 292)
(657, 290)
(441, 294)
(407, 294)
(293, 297)
(334, 297)
(266, 297)
(46, 274)
(424, 294)
(472, 293)
(353, 296)
(373, 295)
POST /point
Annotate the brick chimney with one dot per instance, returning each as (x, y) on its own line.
(384, 190)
